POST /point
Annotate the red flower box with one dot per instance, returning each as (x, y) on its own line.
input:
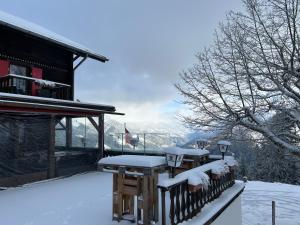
(216, 176)
(232, 168)
(194, 188)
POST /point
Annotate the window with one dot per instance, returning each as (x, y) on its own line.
(18, 83)
(17, 70)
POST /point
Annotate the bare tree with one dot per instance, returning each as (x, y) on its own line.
(250, 74)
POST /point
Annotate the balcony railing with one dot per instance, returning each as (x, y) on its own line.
(185, 204)
(17, 84)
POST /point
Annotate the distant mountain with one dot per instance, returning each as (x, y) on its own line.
(146, 127)
(154, 135)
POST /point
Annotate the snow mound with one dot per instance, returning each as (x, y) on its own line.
(197, 175)
(134, 160)
(230, 161)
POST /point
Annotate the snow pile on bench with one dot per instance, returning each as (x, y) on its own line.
(197, 175)
(186, 151)
(220, 169)
(134, 160)
(230, 161)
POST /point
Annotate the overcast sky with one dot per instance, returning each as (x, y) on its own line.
(148, 44)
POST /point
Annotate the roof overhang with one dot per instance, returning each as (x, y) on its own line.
(37, 31)
(35, 105)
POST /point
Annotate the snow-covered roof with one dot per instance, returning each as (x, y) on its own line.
(54, 101)
(134, 160)
(24, 103)
(186, 151)
(35, 30)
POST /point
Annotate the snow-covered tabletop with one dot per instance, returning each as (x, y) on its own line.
(134, 160)
(186, 151)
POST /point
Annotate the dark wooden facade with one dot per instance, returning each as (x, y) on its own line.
(27, 50)
(19, 48)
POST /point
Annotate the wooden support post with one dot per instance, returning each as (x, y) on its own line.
(155, 198)
(93, 122)
(139, 199)
(101, 136)
(120, 197)
(68, 132)
(163, 207)
(62, 125)
(115, 197)
(51, 157)
(146, 193)
(151, 198)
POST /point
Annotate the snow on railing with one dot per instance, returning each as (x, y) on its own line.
(17, 84)
(191, 190)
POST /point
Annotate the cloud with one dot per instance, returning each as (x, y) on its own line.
(142, 112)
(148, 44)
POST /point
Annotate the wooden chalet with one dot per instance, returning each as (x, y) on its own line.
(37, 95)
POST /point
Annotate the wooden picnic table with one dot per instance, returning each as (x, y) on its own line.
(134, 177)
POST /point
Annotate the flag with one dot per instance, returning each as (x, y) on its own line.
(128, 136)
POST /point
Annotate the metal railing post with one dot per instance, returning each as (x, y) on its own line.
(273, 212)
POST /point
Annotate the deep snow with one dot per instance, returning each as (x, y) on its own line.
(86, 199)
(257, 199)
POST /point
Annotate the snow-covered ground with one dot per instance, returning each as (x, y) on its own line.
(257, 203)
(78, 200)
(86, 200)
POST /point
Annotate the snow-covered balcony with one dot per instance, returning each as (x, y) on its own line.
(17, 84)
(87, 199)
